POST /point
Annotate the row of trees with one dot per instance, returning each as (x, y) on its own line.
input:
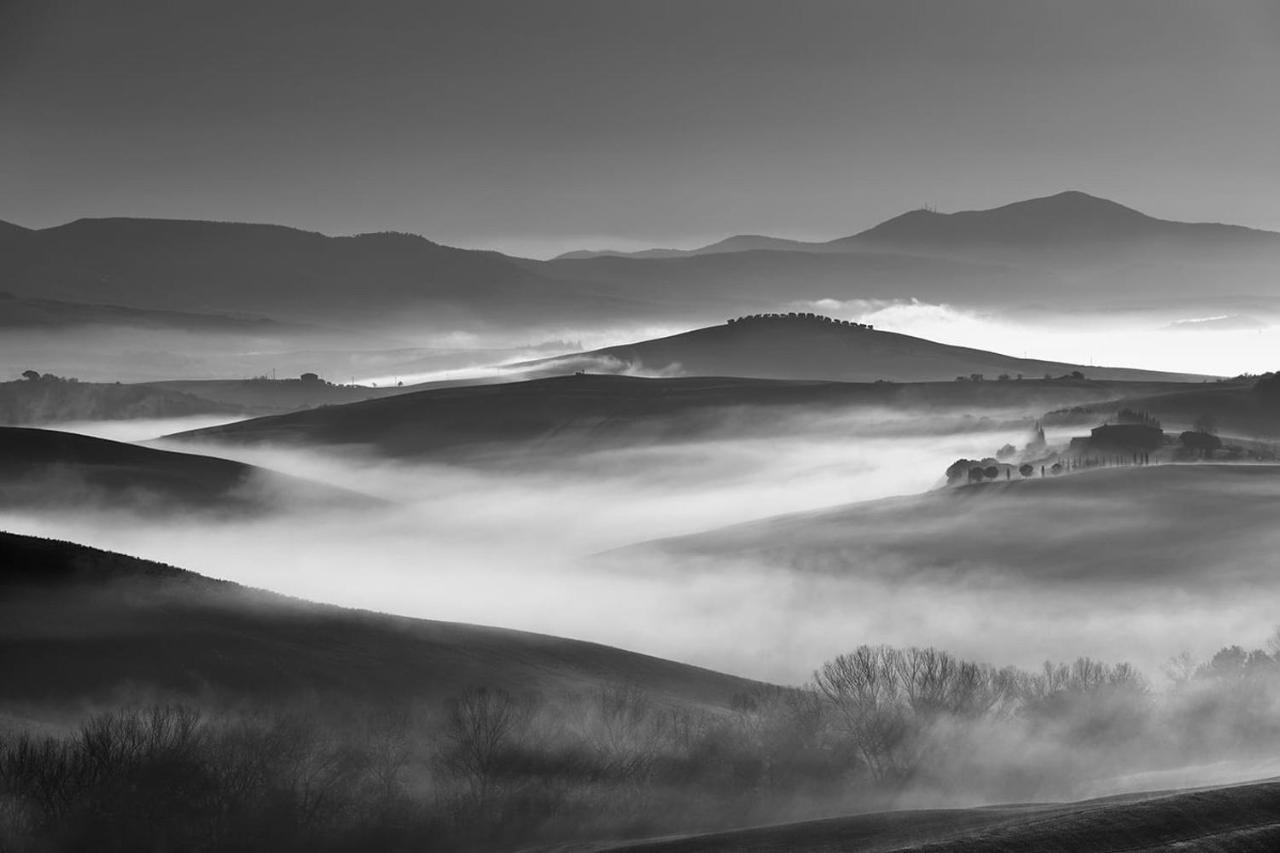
(493, 769)
(801, 315)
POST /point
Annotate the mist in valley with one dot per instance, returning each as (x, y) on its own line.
(540, 542)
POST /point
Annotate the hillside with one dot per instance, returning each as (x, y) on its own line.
(1154, 561)
(813, 347)
(269, 396)
(51, 400)
(573, 414)
(61, 470)
(1236, 409)
(1029, 532)
(78, 624)
(1241, 818)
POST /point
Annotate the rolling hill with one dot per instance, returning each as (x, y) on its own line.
(78, 624)
(813, 347)
(573, 414)
(1237, 409)
(269, 396)
(1243, 818)
(61, 470)
(1029, 532)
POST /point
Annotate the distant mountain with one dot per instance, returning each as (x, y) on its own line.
(813, 347)
(62, 470)
(9, 231)
(211, 267)
(93, 625)
(1070, 249)
(738, 243)
(1066, 249)
(1068, 220)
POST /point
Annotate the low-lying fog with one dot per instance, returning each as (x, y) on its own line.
(514, 547)
(1233, 339)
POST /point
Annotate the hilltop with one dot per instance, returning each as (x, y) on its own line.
(813, 347)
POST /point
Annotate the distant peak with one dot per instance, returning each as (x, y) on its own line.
(1075, 200)
(1071, 214)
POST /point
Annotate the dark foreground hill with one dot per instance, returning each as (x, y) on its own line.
(814, 347)
(61, 470)
(78, 624)
(577, 413)
(1243, 818)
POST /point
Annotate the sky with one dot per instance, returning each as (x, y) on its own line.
(537, 127)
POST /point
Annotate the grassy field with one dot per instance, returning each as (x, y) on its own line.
(1242, 818)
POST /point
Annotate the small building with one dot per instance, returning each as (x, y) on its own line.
(1126, 437)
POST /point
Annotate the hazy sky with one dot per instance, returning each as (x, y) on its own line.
(538, 126)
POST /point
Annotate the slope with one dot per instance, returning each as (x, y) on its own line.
(47, 469)
(77, 624)
(1031, 531)
(573, 414)
(1239, 818)
(51, 400)
(813, 347)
